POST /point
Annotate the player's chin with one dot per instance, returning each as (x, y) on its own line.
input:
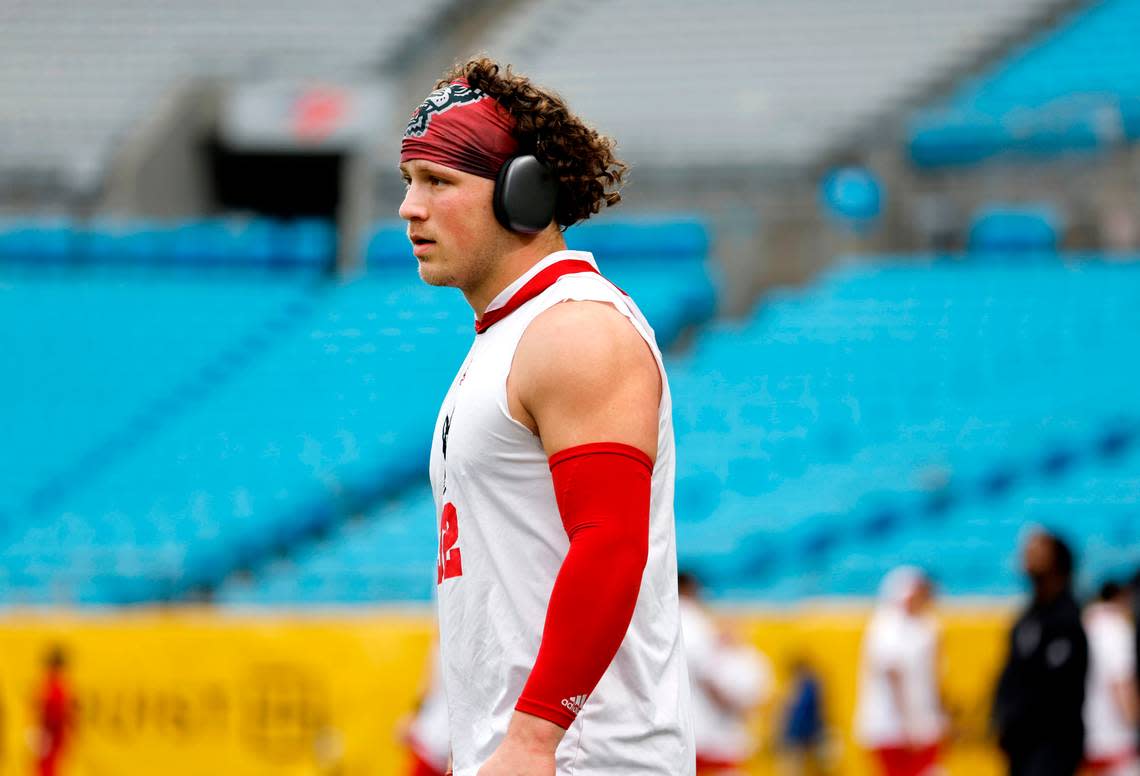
(434, 275)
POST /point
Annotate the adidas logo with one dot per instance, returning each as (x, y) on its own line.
(574, 703)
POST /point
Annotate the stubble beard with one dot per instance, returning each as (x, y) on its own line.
(439, 279)
(474, 271)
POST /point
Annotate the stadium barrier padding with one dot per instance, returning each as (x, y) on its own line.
(300, 244)
(649, 237)
(187, 693)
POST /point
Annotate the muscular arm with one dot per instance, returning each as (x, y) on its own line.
(583, 375)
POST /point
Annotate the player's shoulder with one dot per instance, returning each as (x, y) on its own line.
(583, 346)
(581, 320)
(578, 334)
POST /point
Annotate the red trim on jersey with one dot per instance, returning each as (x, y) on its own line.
(532, 288)
(709, 763)
(603, 492)
(1105, 764)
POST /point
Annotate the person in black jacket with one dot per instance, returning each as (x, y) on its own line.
(1037, 710)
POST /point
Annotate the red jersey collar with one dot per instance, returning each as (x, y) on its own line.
(532, 283)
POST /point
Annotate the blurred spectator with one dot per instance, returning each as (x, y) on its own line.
(1110, 693)
(729, 680)
(1038, 707)
(898, 714)
(803, 733)
(1135, 599)
(55, 718)
(426, 733)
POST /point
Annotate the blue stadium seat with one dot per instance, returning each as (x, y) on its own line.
(1004, 230)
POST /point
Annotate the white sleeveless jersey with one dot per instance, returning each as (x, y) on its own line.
(502, 544)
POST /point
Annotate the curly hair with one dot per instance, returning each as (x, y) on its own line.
(589, 175)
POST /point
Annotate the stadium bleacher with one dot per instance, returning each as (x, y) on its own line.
(745, 82)
(77, 76)
(324, 407)
(885, 393)
(387, 555)
(814, 436)
(969, 547)
(141, 345)
(863, 422)
(1073, 87)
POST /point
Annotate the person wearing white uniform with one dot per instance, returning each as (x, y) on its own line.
(552, 463)
(426, 733)
(898, 714)
(729, 681)
(1110, 710)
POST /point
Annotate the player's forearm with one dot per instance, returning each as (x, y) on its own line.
(603, 496)
(590, 610)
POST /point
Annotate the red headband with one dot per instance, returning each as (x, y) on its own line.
(461, 128)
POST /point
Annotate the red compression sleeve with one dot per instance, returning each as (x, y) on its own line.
(603, 495)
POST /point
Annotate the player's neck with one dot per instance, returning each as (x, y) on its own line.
(512, 265)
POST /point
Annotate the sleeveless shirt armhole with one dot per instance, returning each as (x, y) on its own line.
(570, 294)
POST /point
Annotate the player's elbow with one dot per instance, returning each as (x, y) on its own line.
(623, 554)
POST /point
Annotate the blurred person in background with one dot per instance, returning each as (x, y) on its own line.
(1134, 597)
(802, 737)
(729, 681)
(552, 462)
(55, 720)
(1041, 693)
(1110, 712)
(425, 733)
(898, 713)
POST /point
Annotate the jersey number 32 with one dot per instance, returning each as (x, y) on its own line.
(449, 563)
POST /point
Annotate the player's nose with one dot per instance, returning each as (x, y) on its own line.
(413, 208)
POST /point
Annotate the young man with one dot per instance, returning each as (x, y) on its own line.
(730, 680)
(56, 721)
(1110, 692)
(552, 463)
(898, 714)
(425, 731)
(1038, 707)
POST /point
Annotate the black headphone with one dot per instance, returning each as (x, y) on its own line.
(525, 194)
